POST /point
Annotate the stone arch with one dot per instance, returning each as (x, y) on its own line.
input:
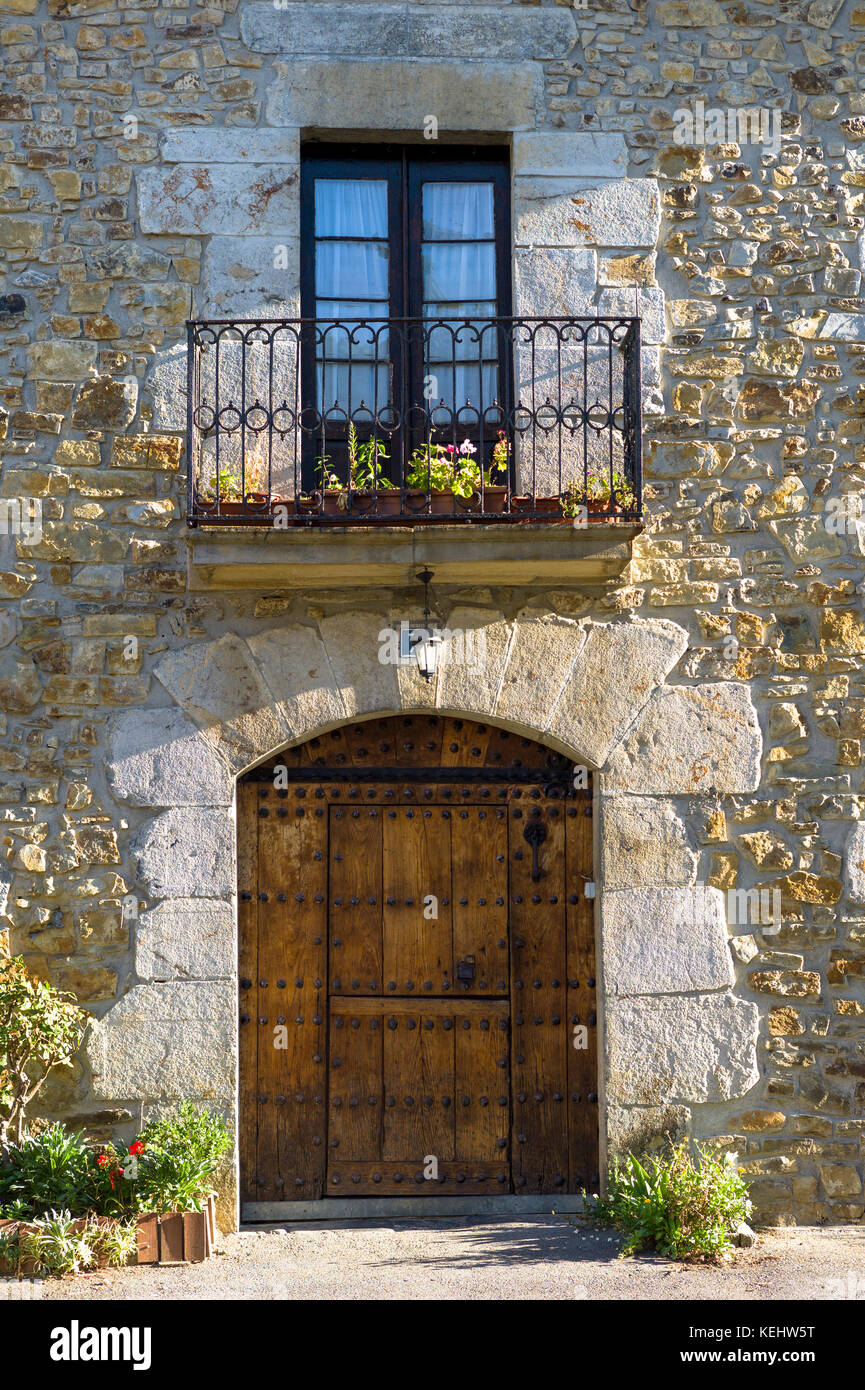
(673, 1033)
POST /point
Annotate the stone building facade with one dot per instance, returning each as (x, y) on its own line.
(712, 681)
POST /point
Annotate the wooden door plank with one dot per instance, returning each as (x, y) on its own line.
(292, 998)
(247, 966)
(479, 885)
(355, 900)
(482, 1065)
(464, 743)
(539, 1150)
(356, 1098)
(419, 1086)
(582, 1005)
(418, 948)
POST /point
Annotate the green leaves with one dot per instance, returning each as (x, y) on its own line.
(681, 1206)
(40, 1028)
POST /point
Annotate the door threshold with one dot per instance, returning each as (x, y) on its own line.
(426, 1208)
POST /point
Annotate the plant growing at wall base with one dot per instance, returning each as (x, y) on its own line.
(51, 1169)
(682, 1205)
(180, 1159)
(40, 1028)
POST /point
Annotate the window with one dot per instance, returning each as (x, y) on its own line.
(405, 272)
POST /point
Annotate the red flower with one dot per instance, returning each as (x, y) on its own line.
(102, 1160)
(137, 1147)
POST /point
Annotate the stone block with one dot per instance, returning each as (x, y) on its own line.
(854, 863)
(680, 1048)
(61, 360)
(541, 654)
(364, 684)
(239, 279)
(647, 305)
(159, 758)
(187, 852)
(293, 663)
(225, 199)
(221, 689)
(570, 212)
(570, 154)
(171, 1040)
(559, 281)
(473, 688)
(187, 144)
(321, 28)
(691, 739)
(644, 844)
(664, 941)
(186, 939)
(618, 668)
(352, 94)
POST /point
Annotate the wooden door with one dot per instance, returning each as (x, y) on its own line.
(416, 966)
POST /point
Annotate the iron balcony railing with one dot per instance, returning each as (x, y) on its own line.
(299, 422)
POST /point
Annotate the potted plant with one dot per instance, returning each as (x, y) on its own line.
(440, 474)
(602, 495)
(368, 489)
(224, 494)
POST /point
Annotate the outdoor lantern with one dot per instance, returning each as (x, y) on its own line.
(425, 642)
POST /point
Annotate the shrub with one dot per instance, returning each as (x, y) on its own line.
(180, 1158)
(40, 1028)
(52, 1169)
(681, 1208)
(57, 1245)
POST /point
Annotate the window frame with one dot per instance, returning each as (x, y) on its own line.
(405, 167)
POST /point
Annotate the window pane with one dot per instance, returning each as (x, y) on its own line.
(457, 211)
(351, 340)
(351, 207)
(460, 383)
(459, 273)
(343, 268)
(370, 390)
(464, 341)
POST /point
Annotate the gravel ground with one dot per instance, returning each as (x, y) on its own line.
(542, 1257)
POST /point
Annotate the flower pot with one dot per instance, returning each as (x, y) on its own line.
(176, 1237)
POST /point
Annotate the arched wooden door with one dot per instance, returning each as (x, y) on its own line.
(416, 963)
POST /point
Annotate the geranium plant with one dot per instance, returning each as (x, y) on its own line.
(453, 467)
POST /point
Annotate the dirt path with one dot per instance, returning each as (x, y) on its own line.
(544, 1257)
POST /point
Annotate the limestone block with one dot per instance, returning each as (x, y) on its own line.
(293, 662)
(166, 1040)
(105, 404)
(322, 27)
(691, 739)
(353, 643)
(643, 844)
(645, 1128)
(646, 305)
(807, 539)
(221, 689)
(684, 1048)
(186, 144)
(187, 852)
(239, 279)
(571, 212)
(340, 94)
(854, 862)
(228, 199)
(186, 939)
(473, 687)
(61, 360)
(165, 383)
(540, 658)
(560, 281)
(570, 153)
(20, 683)
(664, 941)
(159, 758)
(618, 668)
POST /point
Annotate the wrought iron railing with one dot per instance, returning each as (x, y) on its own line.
(332, 422)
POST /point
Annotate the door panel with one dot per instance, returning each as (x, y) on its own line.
(375, 1038)
(282, 1041)
(418, 949)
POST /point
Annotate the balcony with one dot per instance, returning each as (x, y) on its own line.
(318, 449)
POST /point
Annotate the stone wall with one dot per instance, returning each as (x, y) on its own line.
(150, 163)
